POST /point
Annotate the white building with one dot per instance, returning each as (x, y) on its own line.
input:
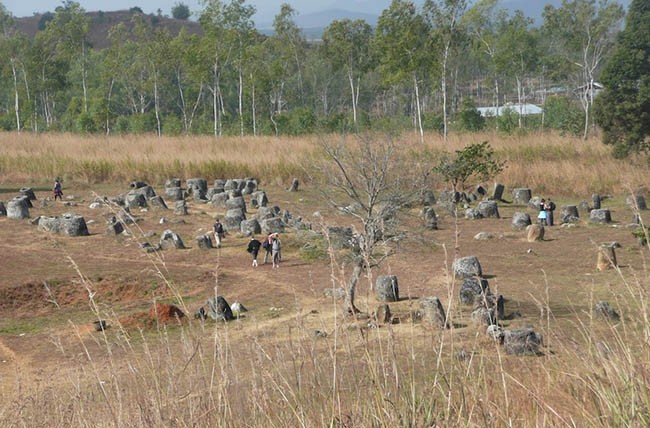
(516, 108)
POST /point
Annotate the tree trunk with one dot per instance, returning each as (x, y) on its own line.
(108, 106)
(16, 99)
(215, 110)
(253, 107)
(83, 75)
(496, 101)
(444, 90)
(354, 100)
(156, 102)
(241, 102)
(182, 99)
(197, 103)
(222, 109)
(350, 308)
(519, 100)
(417, 107)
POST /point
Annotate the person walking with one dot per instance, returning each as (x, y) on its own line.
(267, 244)
(542, 213)
(254, 248)
(217, 228)
(275, 250)
(58, 189)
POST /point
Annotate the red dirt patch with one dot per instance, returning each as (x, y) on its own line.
(165, 313)
(158, 314)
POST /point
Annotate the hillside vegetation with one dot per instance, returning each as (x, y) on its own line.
(421, 68)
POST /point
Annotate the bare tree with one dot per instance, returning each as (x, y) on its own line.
(372, 180)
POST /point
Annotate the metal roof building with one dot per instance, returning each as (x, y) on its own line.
(523, 109)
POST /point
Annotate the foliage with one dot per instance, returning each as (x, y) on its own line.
(580, 34)
(45, 18)
(564, 115)
(410, 72)
(180, 11)
(474, 161)
(623, 109)
(469, 118)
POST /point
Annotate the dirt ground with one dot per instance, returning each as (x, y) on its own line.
(50, 284)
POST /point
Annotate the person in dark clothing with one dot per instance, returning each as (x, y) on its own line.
(58, 190)
(218, 233)
(267, 247)
(549, 207)
(254, 248)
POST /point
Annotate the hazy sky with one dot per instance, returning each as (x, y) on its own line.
(266, 9)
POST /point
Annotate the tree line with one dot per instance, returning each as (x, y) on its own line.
(420, 68)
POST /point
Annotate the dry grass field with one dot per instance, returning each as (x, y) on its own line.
(294, 359)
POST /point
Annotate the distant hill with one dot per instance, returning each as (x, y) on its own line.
(324, 18)
(312, 24)
(102, 22)
(535, 8)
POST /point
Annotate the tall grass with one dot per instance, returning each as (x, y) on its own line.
(93, 160)
(248, 373)
(547, 162)
(198, 374)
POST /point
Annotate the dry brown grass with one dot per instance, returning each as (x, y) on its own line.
(548, 163)
(270, 369)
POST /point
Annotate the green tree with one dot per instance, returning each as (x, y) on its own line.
(155, 57)
(180, 11)
(481, 22)
(623, 109)
(402, 38)
(282, 55)
(517, 53)
(241, 30)
(447, 22)
(49, 71)
(69, 28)
(112, 70)
(583, 32)
(10, 45)
(474, 161)
(347, 45)
(186, 76)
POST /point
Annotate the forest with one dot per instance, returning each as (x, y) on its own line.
(421, 69)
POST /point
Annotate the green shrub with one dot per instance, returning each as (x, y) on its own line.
(469, 118)
(508, 121)
(86, 124)
(564, 115)
(172, 125)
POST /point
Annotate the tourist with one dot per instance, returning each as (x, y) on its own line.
(58, 190)
(268, 242)
(549, 207)
(275, 250)
(219, 233)
(542, 213)
(254, 248)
